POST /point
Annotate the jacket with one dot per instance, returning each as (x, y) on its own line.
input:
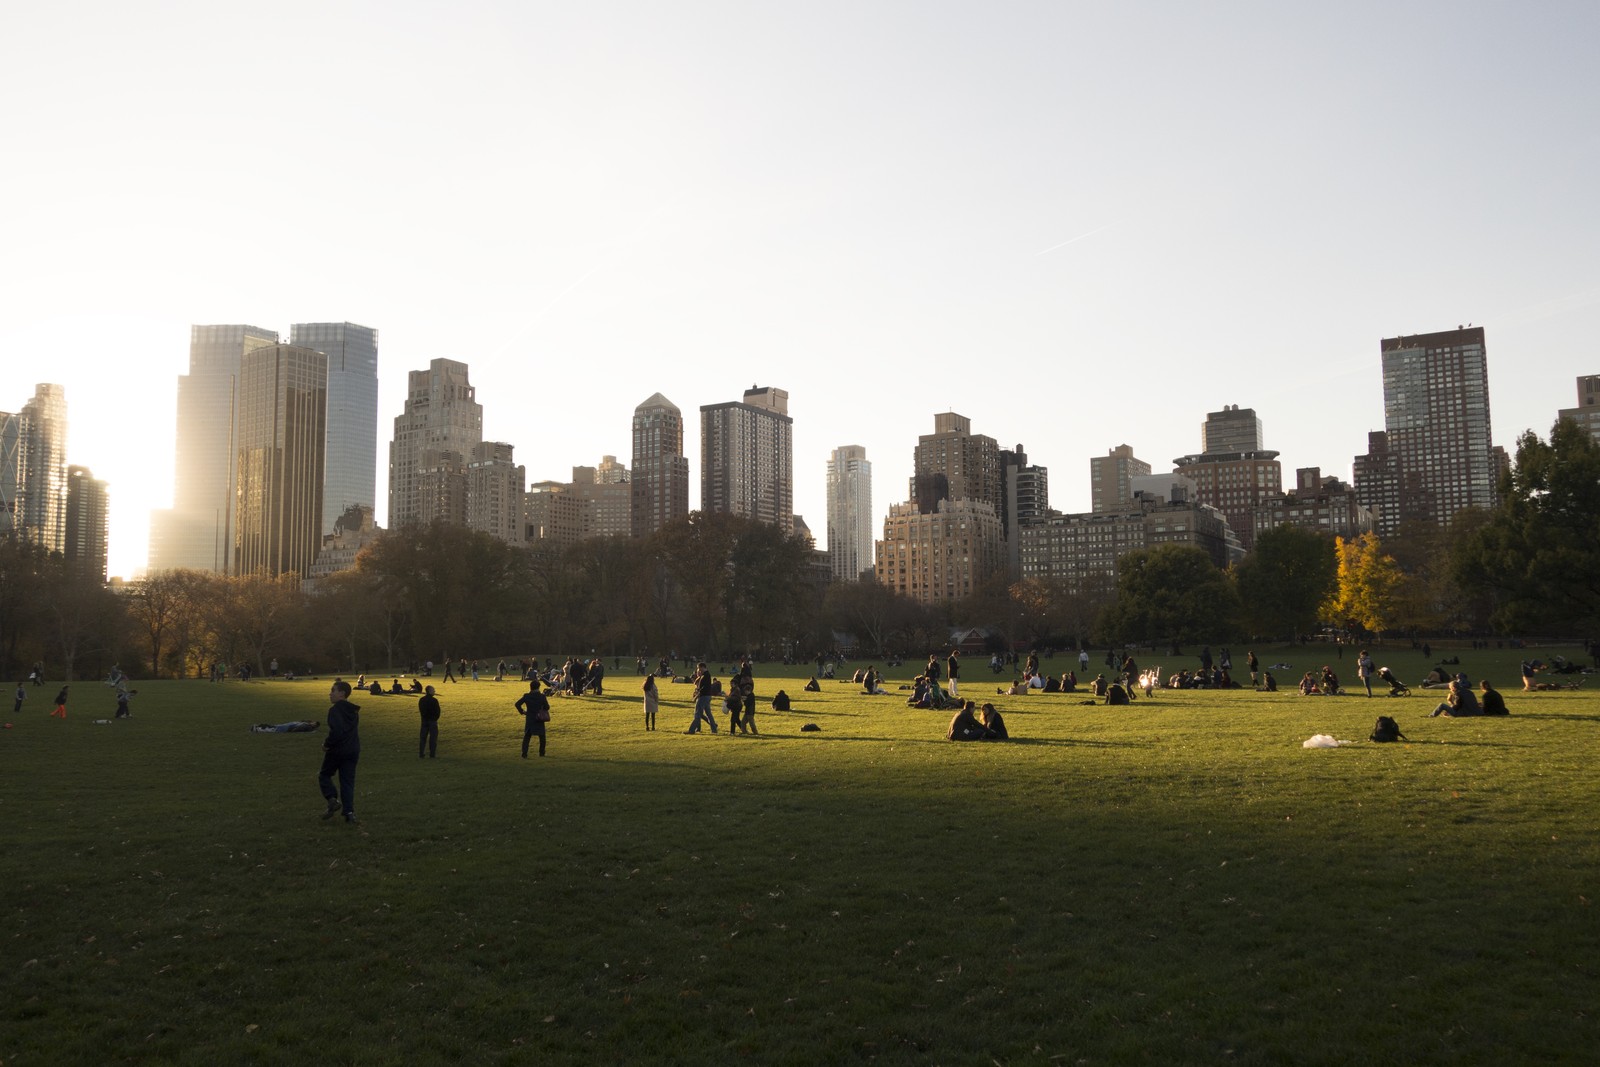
(344, 722)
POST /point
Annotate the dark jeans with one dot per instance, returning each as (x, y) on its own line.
(346, 768)
(429, 740)
(533, 726)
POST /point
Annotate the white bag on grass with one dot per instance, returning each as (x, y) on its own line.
(1319, 741)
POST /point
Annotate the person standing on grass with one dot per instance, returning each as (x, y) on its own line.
(652, 701)
(1365, 669)
(60, 711)
(953, 670)
(535, 709)
(21, 695)
(449, 672)
(428, 708)
(340, 752)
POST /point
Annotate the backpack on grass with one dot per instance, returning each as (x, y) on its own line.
(1386, 729)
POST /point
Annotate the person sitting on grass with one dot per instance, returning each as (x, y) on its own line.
(1270, 684)
(1017, 688)
(397, 688)
(994, 725)
(1116, 695)
(1438, 678)
(964, 726)
(812, 686)
(1099, 685)
(1308, 685)
(1460, 703)
(1491, 701)
(1330, 681)
(919, 693)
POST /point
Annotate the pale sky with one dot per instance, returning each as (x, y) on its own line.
(1080, 225)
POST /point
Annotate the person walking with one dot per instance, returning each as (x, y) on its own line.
(1364, 670)
(953, 669)
(428, 708)
(702, 700)
(340, 752)
(21, 695)
(60, 711)
(449, 671)
(535, 709)
(652, 701)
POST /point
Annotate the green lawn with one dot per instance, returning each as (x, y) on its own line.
(1179, 881)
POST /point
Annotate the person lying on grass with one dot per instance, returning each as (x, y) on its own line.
(301, 726)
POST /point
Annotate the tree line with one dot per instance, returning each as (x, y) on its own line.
(718, 584)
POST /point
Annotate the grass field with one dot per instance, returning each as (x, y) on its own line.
(1179, 881)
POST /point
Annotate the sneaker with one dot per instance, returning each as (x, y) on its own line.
(333, 809)
(350, 817)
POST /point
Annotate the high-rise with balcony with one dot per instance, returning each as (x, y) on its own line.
(283, 398)
(850, 518)
(350, 476)
(198, 530)
(660, 469)
(747, 458)
(33, 469)
(433, 440)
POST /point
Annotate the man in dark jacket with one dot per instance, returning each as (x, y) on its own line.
(428, 708)
(535, 709)
(340, 752)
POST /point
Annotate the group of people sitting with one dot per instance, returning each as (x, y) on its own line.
(986, 725)
(1215, 678)
(395, 688)
(1327, 685)
(1461, 702)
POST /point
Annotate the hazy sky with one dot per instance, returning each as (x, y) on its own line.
(1078, 224)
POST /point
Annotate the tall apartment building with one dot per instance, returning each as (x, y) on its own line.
(495, 489)
(33, 469)
(940, 555)
(1587, 413)
(607, 496)
(198, 531)
(953, 463)
(747, 458)
(351, 455)
(85, 541)
(1027, 499)
(555, 514)
(1436, 426)
(1240, 476)
(660, 469)
(850, 517)
(352, 532)
(1111, 476)
(433, 438)
(282, 434)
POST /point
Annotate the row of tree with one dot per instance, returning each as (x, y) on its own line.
(717, 583)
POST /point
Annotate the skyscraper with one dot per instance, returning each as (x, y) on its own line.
(660, 469)
(433, 438)
(747, 458)
(1110, 478)
(33, 469)
(198, 530)
(1437, 426)
(85, 541)
(850, 517)
(351, 464)
(283, 404)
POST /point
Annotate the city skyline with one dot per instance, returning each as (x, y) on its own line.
(892, 210)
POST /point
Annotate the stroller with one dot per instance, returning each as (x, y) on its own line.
(1397, 688)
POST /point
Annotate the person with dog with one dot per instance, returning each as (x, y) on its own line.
(341, 751)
